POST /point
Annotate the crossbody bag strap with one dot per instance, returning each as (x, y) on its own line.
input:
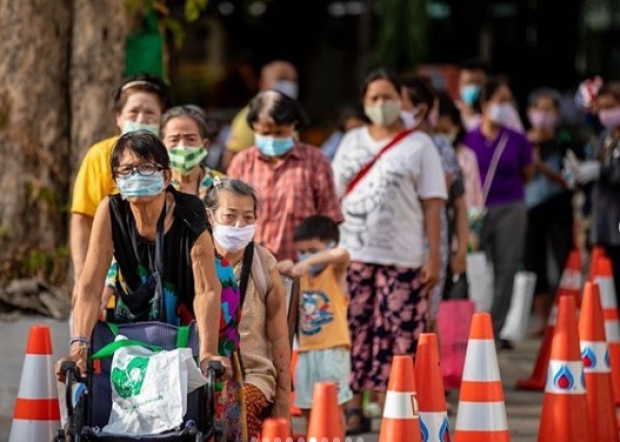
(488, 180)
(364, 170)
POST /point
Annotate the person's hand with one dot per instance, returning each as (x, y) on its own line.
(78, 358)
(285, 266)
(459, 263)
(228, 372)
(430, 273)
(300, 269)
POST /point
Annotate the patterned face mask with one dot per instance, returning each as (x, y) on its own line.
(186, 159)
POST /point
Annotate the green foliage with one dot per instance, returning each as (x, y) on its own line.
(402, 36)
(139, 9)
(193, 8)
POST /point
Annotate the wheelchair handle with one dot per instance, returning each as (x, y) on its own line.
(71, 371)
(216, 368)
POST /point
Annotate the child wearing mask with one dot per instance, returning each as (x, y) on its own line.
(323, 332)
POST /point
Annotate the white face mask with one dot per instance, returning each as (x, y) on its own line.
(411, 118)
(287, 87)
(232, 238)
(501, 113)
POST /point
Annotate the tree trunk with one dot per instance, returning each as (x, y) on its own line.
(60, 63)
(97, 64)
(34, 133)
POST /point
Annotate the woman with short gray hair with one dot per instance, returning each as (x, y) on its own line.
(253, 329)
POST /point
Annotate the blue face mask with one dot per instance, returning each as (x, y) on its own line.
(470, 93)
(272, 146)
(316, 268)
(138, 185)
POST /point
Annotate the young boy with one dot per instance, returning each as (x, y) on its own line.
(323, 333)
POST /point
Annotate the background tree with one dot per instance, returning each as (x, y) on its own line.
(402, 33)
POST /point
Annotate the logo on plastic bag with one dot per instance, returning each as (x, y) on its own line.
(128, 381)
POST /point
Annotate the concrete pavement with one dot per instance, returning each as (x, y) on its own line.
(523, 408)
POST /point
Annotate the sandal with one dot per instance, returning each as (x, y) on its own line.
(363, 425)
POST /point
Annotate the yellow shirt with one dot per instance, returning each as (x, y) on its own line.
(241, 135)
(94, 179)
(322, 313)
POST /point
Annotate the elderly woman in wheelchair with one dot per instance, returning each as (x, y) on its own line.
(163, 245)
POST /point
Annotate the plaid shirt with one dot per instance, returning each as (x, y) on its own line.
(291, 190)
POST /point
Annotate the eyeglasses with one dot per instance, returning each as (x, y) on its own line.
(144, 169)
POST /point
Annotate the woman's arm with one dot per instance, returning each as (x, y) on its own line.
(432, 223)
(459, 265)
(90, 285)
(278, 335)
(208, 298)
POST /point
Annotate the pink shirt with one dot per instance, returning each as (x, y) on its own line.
(471, 177)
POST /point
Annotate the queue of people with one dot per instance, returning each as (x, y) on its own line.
(375, 225)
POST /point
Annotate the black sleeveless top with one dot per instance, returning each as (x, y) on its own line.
(136, 255)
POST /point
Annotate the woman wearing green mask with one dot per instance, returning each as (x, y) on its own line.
(184, 133)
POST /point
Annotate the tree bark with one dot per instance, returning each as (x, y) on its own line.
(34, 132)
(60, 62)
(97, 63)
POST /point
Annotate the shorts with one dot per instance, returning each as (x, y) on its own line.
(330, 365)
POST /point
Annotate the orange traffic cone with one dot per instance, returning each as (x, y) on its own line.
(597, 253)
(326, 416)
(276, 430)
(401, 421)
(564, 416)
(431, 395)
(570, 284)
(595, 356)
(36, 417)
(481, 416)
(603, 276)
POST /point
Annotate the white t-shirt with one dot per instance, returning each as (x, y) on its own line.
(384, 220)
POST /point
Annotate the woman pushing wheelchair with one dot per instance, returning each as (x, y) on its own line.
(168, 272)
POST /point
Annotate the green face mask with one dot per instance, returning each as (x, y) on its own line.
(186, 159)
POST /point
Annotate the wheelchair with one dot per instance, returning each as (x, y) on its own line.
(92, 410)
